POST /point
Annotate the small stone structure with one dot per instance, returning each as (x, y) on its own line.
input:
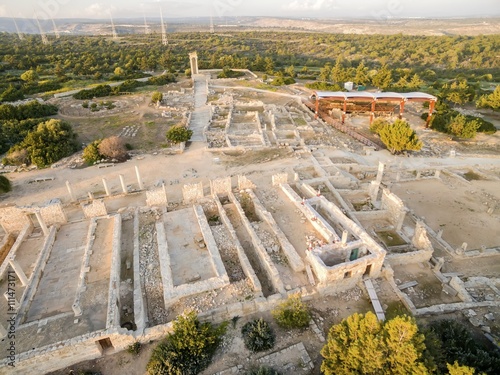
(281, 178)
(94, 208)
(192, 192)
(244, 183)
(220, 186)
(157, 197)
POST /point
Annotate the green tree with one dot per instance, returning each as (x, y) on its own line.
(361, 76)
(378, 124)
(178, 133)
(188, 350)
(461, 127)
(51, 141)
(292, 313)
(361, 344)
(490, 101)
(29, 76)
(399, 137)
(119, 71)
(456, 369)
(91, 154)
(157, 97)
(5, 185)
(383, 78)
(11, 94)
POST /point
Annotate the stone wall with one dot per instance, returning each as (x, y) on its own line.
(36, 275)
(113, 315)
(396, 208)
(242, 257)
(420, 241)
(294, 259)
(244, 183)
(53, 214)
(220, 186)
(139, 307)
(25, 232)
(95, 208)
(13, 219)
(264, 258)
(192, 192)
(157, 197)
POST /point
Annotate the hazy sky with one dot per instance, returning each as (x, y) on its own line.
(377, 9)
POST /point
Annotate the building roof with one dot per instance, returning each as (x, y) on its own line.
(360, 95)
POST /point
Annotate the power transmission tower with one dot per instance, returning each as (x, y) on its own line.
(164, 39)
(42, 33)
(113, 30)
(56, 32)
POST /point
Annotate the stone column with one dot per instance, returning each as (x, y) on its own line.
(3, 331)
(70, 190)
(45, 230)
(19, 271)
(380, 173)
(344, 237)
(124, 187)
(106, 187)
(138, 178)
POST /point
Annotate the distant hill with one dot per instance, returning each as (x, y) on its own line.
(409, 26)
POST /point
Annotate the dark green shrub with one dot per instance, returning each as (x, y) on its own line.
(91, 154)
(292, 313)
(134, 348)
(188, 350)
(5, 185)
(177, 134)
(258, 335)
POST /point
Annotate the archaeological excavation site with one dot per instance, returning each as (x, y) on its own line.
(267, 200)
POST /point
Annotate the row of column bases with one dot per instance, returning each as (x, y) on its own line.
(106, 189)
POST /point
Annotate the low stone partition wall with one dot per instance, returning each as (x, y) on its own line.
(452, 307)
(264, 258)
(291, 254)
(412, 257)
(209, 239)
(310, 213)
(77, 309)
(462, 292)
(36, 275)
(242, 257)
(396, 208)
(113, 314)
(139, 306)
(25, 232)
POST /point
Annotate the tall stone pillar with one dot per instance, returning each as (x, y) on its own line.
(138, 178)
(193, 60)
(104, 182)
(45, 230)
(380, 173)
(70, 191)
(124, 187)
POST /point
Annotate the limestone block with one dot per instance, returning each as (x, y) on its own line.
(192, 192)
(96, 208)
(156, 197)
(220, 186)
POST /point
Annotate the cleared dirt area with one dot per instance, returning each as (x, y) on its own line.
(458, 207)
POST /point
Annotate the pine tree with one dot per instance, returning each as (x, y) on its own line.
(400, 137)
